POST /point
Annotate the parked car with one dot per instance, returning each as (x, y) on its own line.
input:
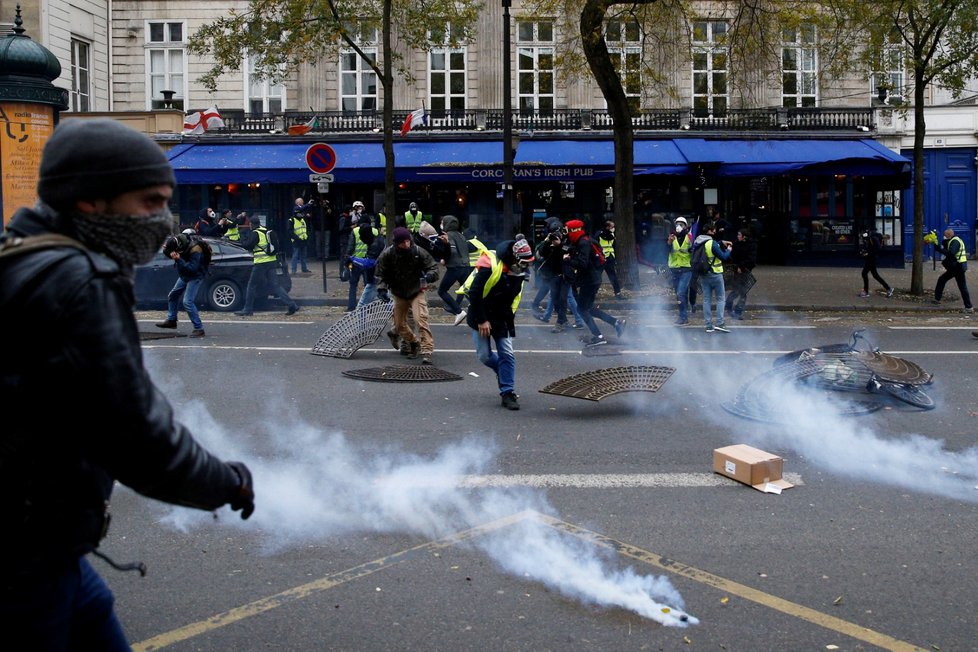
(223, 288)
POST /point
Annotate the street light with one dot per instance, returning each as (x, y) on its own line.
(507, 127)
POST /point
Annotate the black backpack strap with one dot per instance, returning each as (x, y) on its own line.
(18, 246)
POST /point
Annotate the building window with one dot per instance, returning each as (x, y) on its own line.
(798, 67)
(358, 81)
(535, 68)
(81, 75)
(446, 74)
(710, 58)
(264, 95)
(166, 63)
(624, 39)
(889, 68)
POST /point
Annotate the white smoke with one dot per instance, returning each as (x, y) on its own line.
(312, 486)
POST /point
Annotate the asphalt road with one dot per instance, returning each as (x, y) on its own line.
(423, 516)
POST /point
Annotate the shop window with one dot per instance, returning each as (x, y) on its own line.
(889, 221)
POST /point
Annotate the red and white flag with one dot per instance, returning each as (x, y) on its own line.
(415, 118)
(305, 128)
(200, 121)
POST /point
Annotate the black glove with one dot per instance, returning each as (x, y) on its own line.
(244, 496)
(431, 277)
(383, 295)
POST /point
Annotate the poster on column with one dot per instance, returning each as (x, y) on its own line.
(24, 128)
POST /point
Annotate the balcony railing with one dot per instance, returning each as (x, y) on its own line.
(556, 120)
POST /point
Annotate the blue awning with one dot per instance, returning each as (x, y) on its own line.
(535, 160)
(355, 162)
(755, 158)
(580, 160)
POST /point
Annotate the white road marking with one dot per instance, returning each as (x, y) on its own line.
(584, 480)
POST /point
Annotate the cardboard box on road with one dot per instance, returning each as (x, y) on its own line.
(752, 466)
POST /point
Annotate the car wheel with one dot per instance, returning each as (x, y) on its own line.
(225, 295)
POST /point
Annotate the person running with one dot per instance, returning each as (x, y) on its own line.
(870, 245)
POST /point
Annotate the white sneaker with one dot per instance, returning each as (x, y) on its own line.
(459, 318)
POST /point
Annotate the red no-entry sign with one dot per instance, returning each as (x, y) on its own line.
(320, 158)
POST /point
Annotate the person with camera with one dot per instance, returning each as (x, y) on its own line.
(551, 252)
(187, 255)
(584, 275)
(717, 252)
(405, 270)
(870, 245)
(494, 296)
(80, 410)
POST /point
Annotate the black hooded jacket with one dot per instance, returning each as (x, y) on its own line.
(80, 410)
(497, 306)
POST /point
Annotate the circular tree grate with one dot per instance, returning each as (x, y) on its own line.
(355, 330)
(598, 384)
(403, 374)
(894, 369)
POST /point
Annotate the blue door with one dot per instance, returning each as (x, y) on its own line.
(950, 192)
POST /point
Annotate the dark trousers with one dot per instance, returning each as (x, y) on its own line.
(452, 276)
(61, 608)
(869, 267)
(611, 269)
(694, 284)
(344, 243)
(264, 281)
(958, 275)
(585, 296)
(543, 289)
(558, 295)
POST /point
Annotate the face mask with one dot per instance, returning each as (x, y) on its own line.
(679, 228)
(211, 214)
(127, 239)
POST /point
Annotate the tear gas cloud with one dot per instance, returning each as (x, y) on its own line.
(312, 486)
(812, 425)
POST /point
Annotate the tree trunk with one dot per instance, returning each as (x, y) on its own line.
(919, 130)
(387, 81)
(607, 77)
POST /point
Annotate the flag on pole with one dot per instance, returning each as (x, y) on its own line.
(299, 130)
(415, 118)
(200, 121)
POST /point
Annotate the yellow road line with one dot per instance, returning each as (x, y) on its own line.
(323, 584)
(231, 616)
(728, 586)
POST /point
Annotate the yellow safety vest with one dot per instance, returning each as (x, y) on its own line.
(607, 247)
(479, 248)
(494, 276)
(299, 228)
(679, 256)
(715, 263)
(233, 234)
(962, 256)
(382, 220)
(413, 220)
(360, 247)
(261, 250)
(464, 288)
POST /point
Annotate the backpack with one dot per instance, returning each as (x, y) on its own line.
(597, 256)
(206, 251)
(699, 260)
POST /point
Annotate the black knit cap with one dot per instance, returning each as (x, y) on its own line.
(98, 159)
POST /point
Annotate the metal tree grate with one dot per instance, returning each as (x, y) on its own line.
(601, 383)
(894, 369)
(355, 330)
(403, 374)
(145, 337)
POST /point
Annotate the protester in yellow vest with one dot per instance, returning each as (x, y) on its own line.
(955, 265)
(494, 295)
(300, 235)
(678, 244)
(263, 280)
(606, 240)
(413, 218)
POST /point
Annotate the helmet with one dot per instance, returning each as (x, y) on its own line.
(681, 219)
(412, 206)
(358, 204)
(175, 243)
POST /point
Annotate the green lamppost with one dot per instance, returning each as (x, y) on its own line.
(29, 108)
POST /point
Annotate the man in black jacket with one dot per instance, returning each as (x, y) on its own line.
(743, 259)
(585, 279)
(66, 273)
(405, 270)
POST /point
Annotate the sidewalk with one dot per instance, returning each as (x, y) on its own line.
(781, 289)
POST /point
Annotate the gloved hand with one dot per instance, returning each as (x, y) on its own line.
(431, 277)
(244, 498)
(383, 295)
